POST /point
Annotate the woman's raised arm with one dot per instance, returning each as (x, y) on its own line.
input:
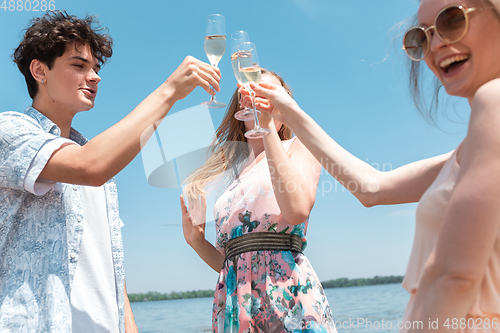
(294, 175)
(371, 186)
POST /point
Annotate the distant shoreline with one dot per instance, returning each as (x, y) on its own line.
(344, 282)
(336, 283)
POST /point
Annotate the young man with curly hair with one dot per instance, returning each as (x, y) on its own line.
(61, 253)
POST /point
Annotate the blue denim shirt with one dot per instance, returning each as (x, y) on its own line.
(40, 235)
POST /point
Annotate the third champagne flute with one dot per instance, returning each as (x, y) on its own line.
(215, 46)
(237, 38)
(248, 64)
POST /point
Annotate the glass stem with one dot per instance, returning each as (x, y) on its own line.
(256, 117)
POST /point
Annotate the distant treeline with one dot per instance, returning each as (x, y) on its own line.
(154, 296)
(344, 282)
(337, 283)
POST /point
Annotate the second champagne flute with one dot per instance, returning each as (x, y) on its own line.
(237, 38)
(215, 46)
(248, 64)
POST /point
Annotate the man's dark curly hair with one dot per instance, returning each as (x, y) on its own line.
(49, 36)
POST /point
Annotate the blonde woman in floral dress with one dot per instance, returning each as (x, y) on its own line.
(271, 192)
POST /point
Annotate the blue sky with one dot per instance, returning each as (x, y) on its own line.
(344, 63)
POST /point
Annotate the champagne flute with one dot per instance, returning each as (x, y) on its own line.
(248, 65)
(215, 46)
(237, 38)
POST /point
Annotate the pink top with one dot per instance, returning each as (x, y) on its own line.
(251, 198)
(429, 218)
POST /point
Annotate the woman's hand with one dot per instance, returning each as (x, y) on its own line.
(262, 104)
(266, 119)
(193, 222)
(273, 99)
(260, 101)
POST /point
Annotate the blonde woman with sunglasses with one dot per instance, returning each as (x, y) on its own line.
(453, 274)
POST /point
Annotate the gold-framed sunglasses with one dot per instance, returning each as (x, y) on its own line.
(450, 26)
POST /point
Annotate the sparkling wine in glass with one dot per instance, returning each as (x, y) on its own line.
(237, 38)
(215, 46)
(248, 65)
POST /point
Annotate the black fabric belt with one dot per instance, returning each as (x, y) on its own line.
(262, 241)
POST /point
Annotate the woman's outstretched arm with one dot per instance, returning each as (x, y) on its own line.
(370, 186)
(194, 233)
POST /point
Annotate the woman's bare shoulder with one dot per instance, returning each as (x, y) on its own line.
(487, 96)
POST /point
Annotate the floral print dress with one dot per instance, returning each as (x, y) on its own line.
(264, 291)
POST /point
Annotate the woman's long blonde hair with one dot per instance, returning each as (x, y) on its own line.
(229, 149)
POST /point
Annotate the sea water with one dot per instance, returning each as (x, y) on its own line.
(368, 309)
